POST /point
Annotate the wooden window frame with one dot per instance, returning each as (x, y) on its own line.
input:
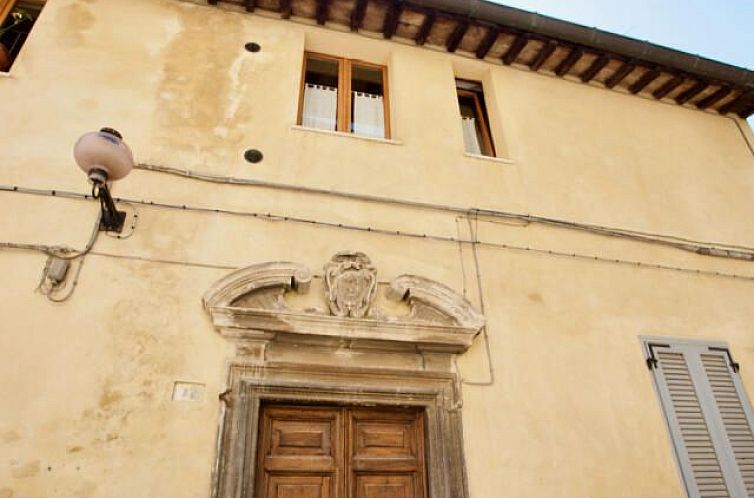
(345, 68)
(488, 147)
(6, 6)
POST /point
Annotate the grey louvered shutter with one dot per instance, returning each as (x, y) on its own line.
(708, 416)
(732, 406)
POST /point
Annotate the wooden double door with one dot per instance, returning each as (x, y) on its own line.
(340, 452)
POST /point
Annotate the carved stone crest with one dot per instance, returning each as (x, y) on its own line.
(270, 302)
(350, 284)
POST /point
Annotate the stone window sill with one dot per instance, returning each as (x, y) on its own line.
(349, 135)
(490, 158)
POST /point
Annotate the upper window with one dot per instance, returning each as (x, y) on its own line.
(344, 95)
(477, 138)
(708, 414)
(16, 20)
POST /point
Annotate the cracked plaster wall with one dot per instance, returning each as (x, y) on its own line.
(85, 386)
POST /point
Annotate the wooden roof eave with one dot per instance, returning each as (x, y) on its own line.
(528, 40)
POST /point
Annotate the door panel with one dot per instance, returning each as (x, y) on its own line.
(340, 452)
(384, 440)
(294, 444)
(385, 486)
(282, 486)
(386, 454)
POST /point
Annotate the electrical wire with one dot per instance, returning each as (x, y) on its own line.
(460, 256)
(473, 232)
(360, 228)
(743, 134)
(699, 247)
(132, 228)
(58, 251)
(164, 261)
(52, 294)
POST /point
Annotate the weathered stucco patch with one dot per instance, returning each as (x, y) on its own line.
(10, 436)
(28, 469)
(535, 297)
(200, 80)
(73, 21)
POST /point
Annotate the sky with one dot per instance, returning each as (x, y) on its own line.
(717, 29)
(722, 30)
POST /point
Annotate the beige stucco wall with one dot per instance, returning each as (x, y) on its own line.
(85, 385)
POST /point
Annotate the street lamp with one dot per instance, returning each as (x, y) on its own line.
(105, 157)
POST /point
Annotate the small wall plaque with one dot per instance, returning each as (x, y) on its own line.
(188, 391)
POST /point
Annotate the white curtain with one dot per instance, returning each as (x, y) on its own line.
(470, 137)
(368, 115)
(320, 107)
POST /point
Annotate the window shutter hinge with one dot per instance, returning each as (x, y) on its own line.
(652, 359)
(733, 364)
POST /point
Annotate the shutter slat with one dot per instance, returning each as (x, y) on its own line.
(732, 412)
(689, 416)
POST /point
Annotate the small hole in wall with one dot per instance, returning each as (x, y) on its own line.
(252, 47)
(253, 155)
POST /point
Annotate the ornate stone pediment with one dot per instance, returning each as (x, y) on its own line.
(265, 300)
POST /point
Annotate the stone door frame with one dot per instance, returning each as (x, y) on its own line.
(435, 393)
(249, 308)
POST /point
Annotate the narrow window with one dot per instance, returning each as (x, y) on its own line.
(320, 103)
(477, 138)
(708, 414)
(344, 95)
(16, 20)
(367, 101)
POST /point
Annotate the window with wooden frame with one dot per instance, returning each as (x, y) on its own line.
(17, 17)
(344, 95)
(340, 452)
(477, 138)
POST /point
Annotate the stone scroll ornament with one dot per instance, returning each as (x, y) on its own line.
(350, 284)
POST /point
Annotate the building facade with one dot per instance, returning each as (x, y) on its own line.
(372, 249)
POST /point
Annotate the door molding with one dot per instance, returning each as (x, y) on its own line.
(355, 342)
(435, 393)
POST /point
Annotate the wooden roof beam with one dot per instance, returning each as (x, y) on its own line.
(212, 2)
(669, 86)
(322, 8)
(391, 19)
(250, 5)
(544, 53)
(429, 20)
(596, 66)
(692, 92)
(357, 14)
(487, 42)
(645, 79)
(516, 47)
(714, 98)
(738, 104)
(746, 111)
(285, 9)
(571, 59)
(620, 74)
(462, 25)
